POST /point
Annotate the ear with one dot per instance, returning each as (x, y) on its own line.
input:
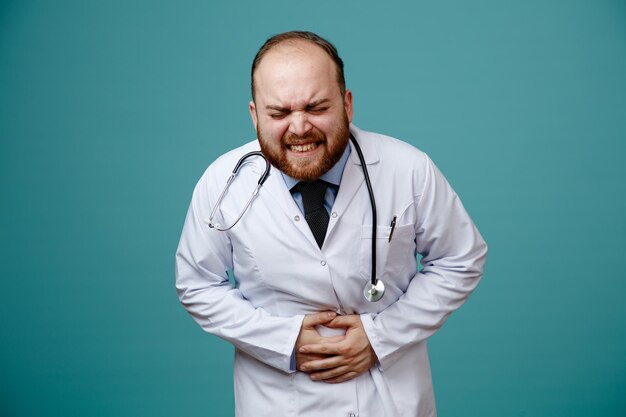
(252, 109)
(347, 104)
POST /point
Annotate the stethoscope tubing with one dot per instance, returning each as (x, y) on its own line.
(375, 289)
(370, 191)
(264, 176)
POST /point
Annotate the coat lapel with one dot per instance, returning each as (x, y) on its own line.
(281, 197)
(352, 178)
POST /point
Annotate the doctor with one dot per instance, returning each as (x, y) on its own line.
(307, 342)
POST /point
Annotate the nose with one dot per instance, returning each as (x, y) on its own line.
(299, 124)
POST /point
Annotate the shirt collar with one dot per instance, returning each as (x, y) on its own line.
(333, 176)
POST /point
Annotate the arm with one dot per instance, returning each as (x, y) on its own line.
(202, 259)
(453, 259)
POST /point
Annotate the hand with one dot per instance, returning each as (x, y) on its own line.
(309, 335)
(343, 359)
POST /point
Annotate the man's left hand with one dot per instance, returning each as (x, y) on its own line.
(351, 356)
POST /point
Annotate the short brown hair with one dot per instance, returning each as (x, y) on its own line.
(296, 35)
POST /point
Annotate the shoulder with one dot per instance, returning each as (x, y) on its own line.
(223, 166)
(218, 172)
(230, 158)
(390, 150)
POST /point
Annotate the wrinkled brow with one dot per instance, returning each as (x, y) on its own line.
(288, 109)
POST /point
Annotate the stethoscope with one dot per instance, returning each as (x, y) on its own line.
(375, 289)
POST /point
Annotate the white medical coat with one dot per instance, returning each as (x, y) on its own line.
(281, 275)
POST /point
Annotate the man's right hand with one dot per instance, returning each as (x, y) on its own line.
(309, 335)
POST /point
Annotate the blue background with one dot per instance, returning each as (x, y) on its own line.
(110, 111)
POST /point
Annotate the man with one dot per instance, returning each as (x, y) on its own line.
(307, 342)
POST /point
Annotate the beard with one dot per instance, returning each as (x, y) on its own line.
(306, 168)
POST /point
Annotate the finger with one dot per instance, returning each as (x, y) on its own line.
(344, 321)
(321, 364)
(303, 358)
(343, 373)
(318, 340)
(321, 348)
(312, 320)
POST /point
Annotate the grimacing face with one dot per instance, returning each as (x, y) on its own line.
(301, 117)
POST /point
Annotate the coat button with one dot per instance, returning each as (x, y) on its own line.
(297, 218)
(334, 214)
(323, 263)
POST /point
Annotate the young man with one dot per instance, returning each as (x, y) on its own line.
(307, 342)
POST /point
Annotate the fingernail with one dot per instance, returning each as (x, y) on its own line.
(302, 350)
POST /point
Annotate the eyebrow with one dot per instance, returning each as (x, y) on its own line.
(308, 106)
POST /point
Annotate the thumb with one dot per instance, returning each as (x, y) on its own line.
(312, 320)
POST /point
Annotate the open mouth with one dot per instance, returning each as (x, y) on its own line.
(304, 147)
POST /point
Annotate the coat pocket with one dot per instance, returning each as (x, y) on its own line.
(390, 254)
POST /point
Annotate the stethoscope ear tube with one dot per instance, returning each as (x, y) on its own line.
(375, 289)
(217, 226)
(246, 156)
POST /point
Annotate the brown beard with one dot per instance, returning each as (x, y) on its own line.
(306, 169)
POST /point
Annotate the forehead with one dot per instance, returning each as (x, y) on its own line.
(295, 70)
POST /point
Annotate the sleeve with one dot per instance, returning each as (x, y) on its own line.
(203, 257)
(453, 259)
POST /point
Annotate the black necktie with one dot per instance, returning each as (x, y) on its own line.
(314, 211)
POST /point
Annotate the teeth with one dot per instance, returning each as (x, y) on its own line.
(303, 148)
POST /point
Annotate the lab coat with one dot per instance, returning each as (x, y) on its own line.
(281, 274)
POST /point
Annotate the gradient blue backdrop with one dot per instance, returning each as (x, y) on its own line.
(111, 110)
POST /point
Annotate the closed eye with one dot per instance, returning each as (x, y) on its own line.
(278, 115)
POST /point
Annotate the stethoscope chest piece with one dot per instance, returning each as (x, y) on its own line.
(373, 292)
